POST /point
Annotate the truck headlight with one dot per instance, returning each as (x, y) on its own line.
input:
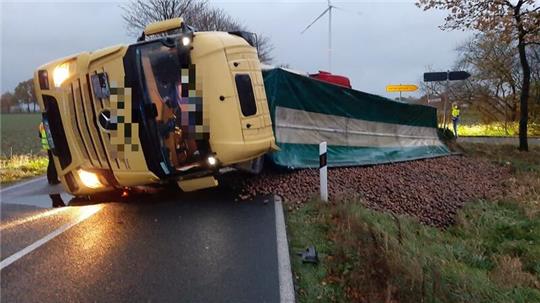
(89, 179)
(212, 160)
(186, 41)
(62, 72)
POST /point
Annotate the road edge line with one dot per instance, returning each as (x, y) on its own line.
(28, 249)
(17, 185)
(286, 287)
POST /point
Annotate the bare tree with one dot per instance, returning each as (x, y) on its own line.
(516, 21)
(534, 52)
(6, 101)
(196, 13)
(497, 73)
(24, 93)
(493, 91)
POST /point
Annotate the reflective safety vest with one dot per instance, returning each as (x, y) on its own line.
(43, 136)
(455, 111)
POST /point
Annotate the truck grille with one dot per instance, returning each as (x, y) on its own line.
(83, 117)
(78, 120)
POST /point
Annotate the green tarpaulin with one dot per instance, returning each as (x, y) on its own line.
(360, 128)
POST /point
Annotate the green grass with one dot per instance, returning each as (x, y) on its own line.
(19, 134)
(20, 167)
(496, 129)
(506, 155)
(492, 253)
(307, 227)
(21, 155)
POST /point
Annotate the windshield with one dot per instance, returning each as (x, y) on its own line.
(168, 78)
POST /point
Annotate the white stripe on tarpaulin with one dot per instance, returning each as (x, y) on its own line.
(302, 127)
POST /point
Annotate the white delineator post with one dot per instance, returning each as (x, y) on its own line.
(323, 169)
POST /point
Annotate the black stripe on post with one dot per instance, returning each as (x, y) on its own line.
(322, 160)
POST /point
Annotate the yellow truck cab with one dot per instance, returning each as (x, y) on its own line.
(176, 107)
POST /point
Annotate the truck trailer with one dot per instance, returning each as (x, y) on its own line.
(179, 105)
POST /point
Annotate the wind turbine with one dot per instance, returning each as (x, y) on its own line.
(329, 11)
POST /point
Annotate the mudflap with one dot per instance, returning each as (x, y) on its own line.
(254, 166)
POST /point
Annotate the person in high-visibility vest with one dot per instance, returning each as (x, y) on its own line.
(52, 175)
(455, 118)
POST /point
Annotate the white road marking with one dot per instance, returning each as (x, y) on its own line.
(9, 188)
(49, 213)
(86, 212)
(286, 288)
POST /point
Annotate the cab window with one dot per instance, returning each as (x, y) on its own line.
(161, 68)
(245, 94)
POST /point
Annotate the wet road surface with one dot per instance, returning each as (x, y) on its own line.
(169, 247)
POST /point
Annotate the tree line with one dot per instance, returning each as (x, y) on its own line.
(22, 98)
(494, 89)
(136, 15)
(196, 13)
(511, 27)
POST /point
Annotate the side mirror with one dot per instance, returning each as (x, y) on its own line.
(161, 27)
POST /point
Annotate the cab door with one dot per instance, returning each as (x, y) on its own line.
(247, 76)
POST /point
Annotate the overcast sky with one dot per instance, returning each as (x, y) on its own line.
(375, 43)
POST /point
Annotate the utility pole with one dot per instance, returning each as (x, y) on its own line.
(446, 76)
(446, 99)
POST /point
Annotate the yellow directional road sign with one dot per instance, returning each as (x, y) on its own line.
(401, 88)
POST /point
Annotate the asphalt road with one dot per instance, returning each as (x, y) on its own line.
(167, 247)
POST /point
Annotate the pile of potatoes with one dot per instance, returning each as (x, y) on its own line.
(431, 190)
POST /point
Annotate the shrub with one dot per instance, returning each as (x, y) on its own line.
(19, 167)
(445, 134)
(497, 129)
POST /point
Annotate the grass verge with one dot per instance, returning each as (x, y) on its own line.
(496, 129)
(492, 253)
(309, 226)
(19, 167)
(19, 134)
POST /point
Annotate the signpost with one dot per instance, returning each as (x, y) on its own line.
(446, 76)
(459, 75)
(401, 88)
(439, 76)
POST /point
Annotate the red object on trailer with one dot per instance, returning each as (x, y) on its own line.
(331, 78)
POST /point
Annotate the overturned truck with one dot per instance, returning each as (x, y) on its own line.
(174, 107)
(179, 105)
